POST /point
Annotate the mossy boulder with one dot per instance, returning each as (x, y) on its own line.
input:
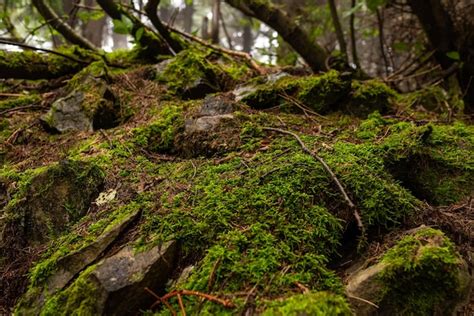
(369, 96)
(196, 72)
(422, 274)
(315, 304)
(89, 104)
(48, 201)
(320, 93)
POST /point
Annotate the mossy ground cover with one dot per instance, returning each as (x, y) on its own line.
(263, 218)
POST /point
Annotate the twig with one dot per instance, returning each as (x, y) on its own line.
(362, 300)
(19, 108)
(12, 95)
(43, 50)
(181, 305)
(160, 300)
(328, 170)
(212, 298)
(303, 288)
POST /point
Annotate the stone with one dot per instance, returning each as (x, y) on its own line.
(122, 278)
(422, 274)
(67, 114)
(90, 106)
(216, 105)
(53, 200)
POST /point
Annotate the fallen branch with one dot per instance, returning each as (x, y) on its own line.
(328, 170)
(19, 108)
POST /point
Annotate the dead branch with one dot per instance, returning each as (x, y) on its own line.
(152, 14)
(328, 170)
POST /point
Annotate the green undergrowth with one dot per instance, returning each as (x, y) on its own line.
(421, 274)
(15, 102)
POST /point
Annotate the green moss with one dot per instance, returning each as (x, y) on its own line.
(195, 72)
(11, 103)
(322, 92)
(319, 92)
(80, 298)
(316, 304)
(369, 96)
(159, 136)
(421, 276)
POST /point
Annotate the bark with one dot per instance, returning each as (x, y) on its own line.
(61, 26)
(313, 54)
(355, 57)
(247, 36)
(188, 14)
(151, 10)
(338, 28)
(444, 38)
(216, 5)
(94, 30)
(204, 28)
(33, 65)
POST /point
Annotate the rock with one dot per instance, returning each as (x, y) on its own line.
(91, 105)
(70, 265)
(67, 114)
(52, 200)
(212, 129)
(121, 279)
(422, 274)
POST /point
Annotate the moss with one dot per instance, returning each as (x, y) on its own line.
(369, 96)
(195, 72)
(80, 298)
(19, 101)
(159, 136)
(319, 92)
(421, 276)
(316, 304)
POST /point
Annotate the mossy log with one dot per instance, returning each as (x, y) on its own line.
(34, 65)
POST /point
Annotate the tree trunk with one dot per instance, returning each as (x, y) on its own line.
(216, 5)
(93, 30)
(338, 28)
(310, 51)
(60, 25)
(247, 36)
(188, 14)
(444, 38)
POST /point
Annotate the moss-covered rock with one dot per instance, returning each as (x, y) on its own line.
(369, 96)
(422, 274)
(89, 105)
(48, 201)
(317, 304)
(193, 73)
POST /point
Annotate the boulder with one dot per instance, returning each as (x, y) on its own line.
(422, 274)
(122, 278)
(53, 199)
(90, 105)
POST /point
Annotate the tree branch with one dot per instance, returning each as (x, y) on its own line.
(338, 28)
(152, 14)
(62, 27)
(313, 54)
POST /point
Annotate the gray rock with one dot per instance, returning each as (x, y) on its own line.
(206, 124)
(67, 114)
(121, 279)
(216, 105)
(69, 266)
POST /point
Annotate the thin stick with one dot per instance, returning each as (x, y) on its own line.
(328, 170)
(223, 302)
(160, 300)
(362, 300)
(181, 305)
(42, 50)
(12, 95)
(19, 108)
